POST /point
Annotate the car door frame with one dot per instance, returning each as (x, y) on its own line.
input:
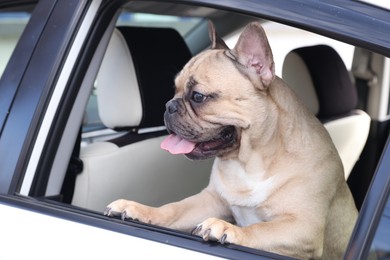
(36, 87)
(46, 41)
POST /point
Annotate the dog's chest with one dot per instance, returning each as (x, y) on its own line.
(244, 192)
(245, 216)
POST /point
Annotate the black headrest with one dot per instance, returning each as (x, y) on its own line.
(336, 93)
(158, 55)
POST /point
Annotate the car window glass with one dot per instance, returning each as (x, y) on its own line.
(12, 25)
(182, 24)
(380, 248)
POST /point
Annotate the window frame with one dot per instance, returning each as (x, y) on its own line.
(14, 131)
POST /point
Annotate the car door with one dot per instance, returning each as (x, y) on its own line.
(43, 93)
(45, 85)
(36, 81)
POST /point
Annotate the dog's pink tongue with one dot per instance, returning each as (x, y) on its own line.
(177, 145)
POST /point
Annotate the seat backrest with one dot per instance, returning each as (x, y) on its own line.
(321, 80)
(134, 82)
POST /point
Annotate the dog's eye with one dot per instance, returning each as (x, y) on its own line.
(198, 97)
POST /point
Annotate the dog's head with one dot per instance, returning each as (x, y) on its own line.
(220, 93)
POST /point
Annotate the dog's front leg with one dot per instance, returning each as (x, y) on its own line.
(286, 236)
(183, 215)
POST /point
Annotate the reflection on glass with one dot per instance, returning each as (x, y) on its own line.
(380, 248)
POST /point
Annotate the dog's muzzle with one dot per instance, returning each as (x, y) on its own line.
(194, 143)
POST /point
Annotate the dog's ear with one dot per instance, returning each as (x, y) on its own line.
(253, 51)
(216, 41)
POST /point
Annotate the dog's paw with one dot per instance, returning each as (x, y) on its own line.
(129, 210)
(218, 230)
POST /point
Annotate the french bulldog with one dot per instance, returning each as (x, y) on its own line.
(277, 182)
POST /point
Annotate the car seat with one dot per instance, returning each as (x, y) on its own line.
(134, 82)
(321, 80)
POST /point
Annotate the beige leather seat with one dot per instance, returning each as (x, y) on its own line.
(134, 82)
(319, 77)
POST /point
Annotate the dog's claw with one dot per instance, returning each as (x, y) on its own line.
(223, 239)
(124, 215)
(206, 234)
(107, 211)
(196, 230)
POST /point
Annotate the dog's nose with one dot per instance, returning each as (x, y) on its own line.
(172, 106)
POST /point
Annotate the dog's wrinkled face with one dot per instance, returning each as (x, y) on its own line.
(219, 94)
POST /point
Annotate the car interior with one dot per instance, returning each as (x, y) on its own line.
(133, 100)
(136, 79)
(127, 161)
(320, 78)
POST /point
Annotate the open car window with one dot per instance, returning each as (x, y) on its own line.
(137, 164)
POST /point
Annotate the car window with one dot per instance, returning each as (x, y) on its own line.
(12, 25)
(380, 248)
(130, 172)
